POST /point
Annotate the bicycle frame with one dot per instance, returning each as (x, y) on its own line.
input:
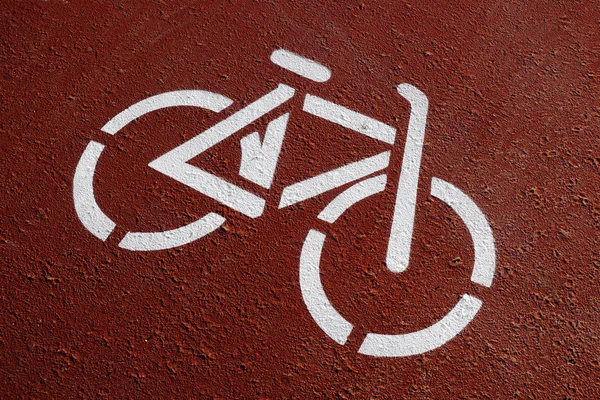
(174, 163)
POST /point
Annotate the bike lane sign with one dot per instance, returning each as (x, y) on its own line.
(258, 164)
(277, 208)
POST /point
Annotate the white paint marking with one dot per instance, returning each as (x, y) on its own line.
(398, 253)
(478, 226)
(349, 119)
(300, 65)
(174, 163)
(147, 241)
(351, 196)
(218, 189)
(319, 306)
(332, 179)
(260, 160)
(223, 129)
(424, 340)
(88, 211)
(197, 98)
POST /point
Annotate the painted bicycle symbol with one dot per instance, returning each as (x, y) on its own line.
(258, 164)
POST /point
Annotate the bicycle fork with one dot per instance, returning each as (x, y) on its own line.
(398, 252)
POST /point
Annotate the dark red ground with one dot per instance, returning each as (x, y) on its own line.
(514, 122)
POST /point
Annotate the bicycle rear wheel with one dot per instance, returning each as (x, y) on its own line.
(88, 210)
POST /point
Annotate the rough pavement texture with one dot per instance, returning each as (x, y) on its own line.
(514, 122)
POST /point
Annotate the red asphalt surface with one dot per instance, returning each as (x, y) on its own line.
(513, 122)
